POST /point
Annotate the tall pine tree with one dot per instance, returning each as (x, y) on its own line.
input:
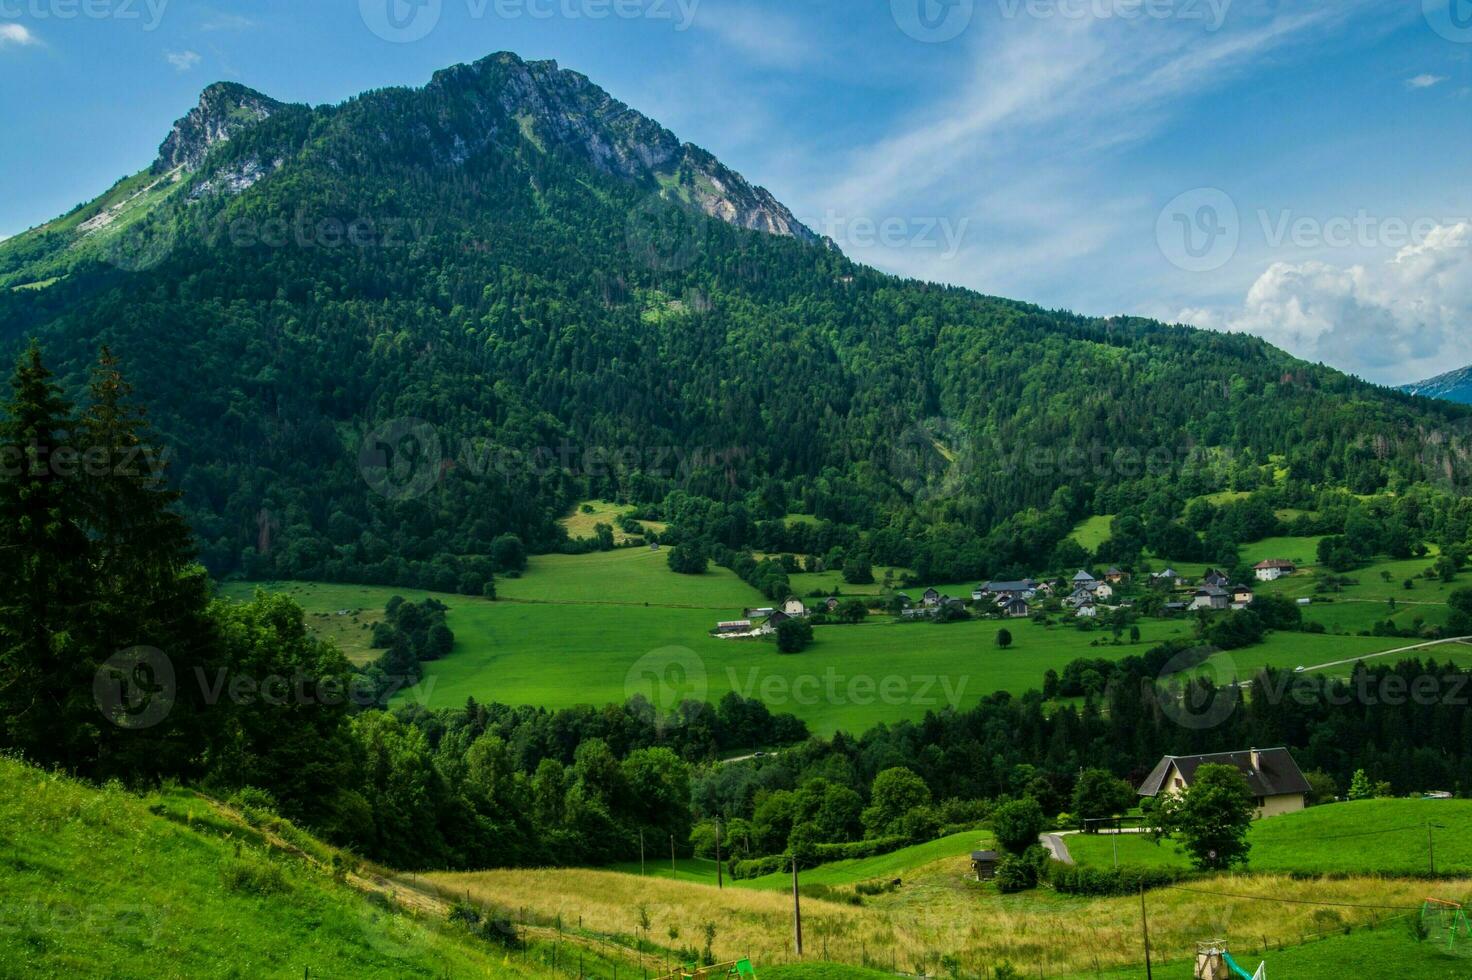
(44, 554)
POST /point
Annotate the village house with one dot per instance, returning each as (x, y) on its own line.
(831, 604)
(1088, 610)
(1273, 569)
(1116, 575)
(1168, 577)
(1016, 608)
(1210, 597)
(1083, 580)
(794, 607)
(1079, 597)
(735, 627)
(759, 612)
(931, 597)
(1216, 579)
(773, 621)
(1242, 597)
(1104, 592)
(1276, 783)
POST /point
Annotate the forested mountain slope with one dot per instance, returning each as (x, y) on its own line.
(578, 305)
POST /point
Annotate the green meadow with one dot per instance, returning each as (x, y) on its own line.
(602, 627)
(1386, 837)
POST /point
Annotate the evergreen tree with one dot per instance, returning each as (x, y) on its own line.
(45, 683)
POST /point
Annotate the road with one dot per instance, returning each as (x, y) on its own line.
(1059, 850)
(1387, 653)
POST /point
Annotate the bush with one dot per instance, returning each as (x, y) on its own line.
(254, 876)
(1019, 872)
(1104, 882)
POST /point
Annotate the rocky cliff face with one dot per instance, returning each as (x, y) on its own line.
(557, 108)
(224, 109)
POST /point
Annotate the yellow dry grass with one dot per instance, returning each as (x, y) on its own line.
(938, 912)
(580, 524)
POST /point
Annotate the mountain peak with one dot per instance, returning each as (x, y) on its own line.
(563, 109)
(224, 109)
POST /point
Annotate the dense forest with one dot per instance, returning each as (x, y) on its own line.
(378, 336)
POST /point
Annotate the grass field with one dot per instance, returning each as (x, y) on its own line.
(1092, 532)
(582, 523)
(836, 874)
(1365, 837)
(599, 628)
(101, 883)
(938, 917)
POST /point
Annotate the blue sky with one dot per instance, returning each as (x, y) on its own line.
(1290, 169)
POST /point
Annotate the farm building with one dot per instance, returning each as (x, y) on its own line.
(1211, 597)
(1273, 569)
(984, 865)
(1015, 608)
(794, 607)
(1273, 777)
(734, 626)
(931, 597)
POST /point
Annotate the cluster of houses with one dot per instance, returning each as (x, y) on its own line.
(1086, 597)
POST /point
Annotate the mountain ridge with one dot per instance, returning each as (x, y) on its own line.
(1453, 386)
(533, 266)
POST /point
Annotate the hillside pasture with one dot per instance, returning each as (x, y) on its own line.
(1386, 837)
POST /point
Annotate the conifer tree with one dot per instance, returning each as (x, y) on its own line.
(43, 570)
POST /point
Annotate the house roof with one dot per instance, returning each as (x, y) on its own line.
(1020, 586)
(1211, 590)
(983, 855)
(1275, 774)
(1275, 563)
(1084, 576)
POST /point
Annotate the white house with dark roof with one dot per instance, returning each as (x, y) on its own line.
(1084, 580)
(1277, 784)
(1273, 569)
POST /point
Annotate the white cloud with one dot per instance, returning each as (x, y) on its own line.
(217, 21)
(1022, 142)
(1425, 81)
(17, 34)
(1397, 321)
(182, 60)
(764, 37)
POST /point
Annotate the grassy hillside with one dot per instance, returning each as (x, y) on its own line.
(101, 883)
(1364, 837)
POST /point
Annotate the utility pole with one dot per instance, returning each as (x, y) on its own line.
(720, 879)
(796, 910)
(673, 871)
(641, 853)
(1430, 848)
(1115, 839)
(1145, 928)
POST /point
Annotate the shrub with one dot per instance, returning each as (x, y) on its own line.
(254, 876)
(1104, 882)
